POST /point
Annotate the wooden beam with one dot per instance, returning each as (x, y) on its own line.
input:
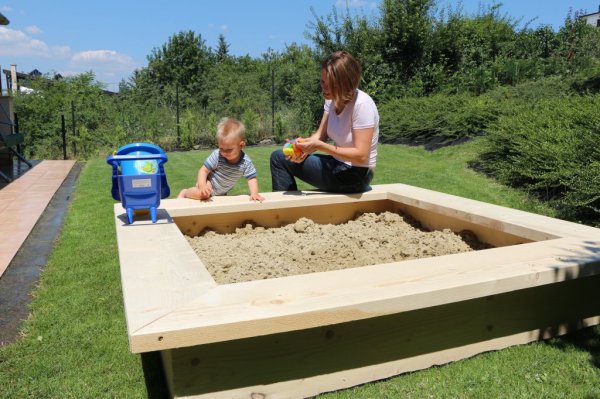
(307, 362)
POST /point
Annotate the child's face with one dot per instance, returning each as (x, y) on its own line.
(230, 148)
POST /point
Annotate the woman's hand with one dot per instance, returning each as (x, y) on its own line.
(295, 157)
(308, 145)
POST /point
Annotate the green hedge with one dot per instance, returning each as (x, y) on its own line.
(439, 118)
(550, 148)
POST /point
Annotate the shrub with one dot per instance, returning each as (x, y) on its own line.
(441, 118)
(550, 149)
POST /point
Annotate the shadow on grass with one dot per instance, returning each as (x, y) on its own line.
(587, 340)
(154, 376)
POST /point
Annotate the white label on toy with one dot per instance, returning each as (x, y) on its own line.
(141, 183)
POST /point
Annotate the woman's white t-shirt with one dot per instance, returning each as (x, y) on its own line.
(360, 113)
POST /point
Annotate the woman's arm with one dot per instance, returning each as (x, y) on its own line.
(359, 152)
(321, 133)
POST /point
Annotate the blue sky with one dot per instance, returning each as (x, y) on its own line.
(113, 38)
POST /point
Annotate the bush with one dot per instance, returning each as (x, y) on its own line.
(440, 118)
(587, 82)
(551, 87)
(197, 127)
(550, 149)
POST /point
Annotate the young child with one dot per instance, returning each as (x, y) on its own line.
(223, 168)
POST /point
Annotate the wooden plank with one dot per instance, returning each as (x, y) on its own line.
(271, 306)
(282, 201)
(159, 270)
(519, 223)
(311, 361)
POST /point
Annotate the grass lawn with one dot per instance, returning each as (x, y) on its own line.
(74, 343)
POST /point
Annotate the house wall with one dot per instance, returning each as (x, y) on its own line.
(592, 19)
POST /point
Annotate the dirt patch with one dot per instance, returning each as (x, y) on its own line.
(255, 253)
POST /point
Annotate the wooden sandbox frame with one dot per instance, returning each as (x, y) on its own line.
(299, 336)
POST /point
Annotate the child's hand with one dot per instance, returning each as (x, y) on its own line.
(257, 197)
(205, 189)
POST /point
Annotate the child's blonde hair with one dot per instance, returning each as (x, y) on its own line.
(231, 126)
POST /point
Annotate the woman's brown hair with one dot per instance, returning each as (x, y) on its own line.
(343, 77)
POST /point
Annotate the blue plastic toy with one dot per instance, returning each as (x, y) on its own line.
(138, 178)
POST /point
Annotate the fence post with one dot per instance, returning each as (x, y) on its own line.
(74, 130)
(177, 115)
(273, 101)
(64, 136)
(16, 130)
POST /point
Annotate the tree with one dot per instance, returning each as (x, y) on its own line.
(222, 52)
(183, 64)
(406, 28)
(40, 115)
(360, 36)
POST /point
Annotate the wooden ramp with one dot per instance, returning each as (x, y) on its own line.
(22, 203)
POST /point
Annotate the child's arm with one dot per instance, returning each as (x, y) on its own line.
(253, 186)
(205, 189)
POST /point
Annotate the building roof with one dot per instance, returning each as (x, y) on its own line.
(592, 13)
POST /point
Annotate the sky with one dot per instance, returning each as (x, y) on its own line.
(113, 38)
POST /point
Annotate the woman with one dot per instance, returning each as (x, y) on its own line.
(351, 121)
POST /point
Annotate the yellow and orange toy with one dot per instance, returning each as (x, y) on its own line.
(290, 148)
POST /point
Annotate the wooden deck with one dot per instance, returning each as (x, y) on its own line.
(23, 201)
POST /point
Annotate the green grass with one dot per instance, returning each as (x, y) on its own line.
(74, 344)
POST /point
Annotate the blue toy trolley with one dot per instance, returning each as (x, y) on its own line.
(138, 178)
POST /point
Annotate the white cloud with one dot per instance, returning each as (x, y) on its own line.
(105, 59)
(15, 43)
(34, 30)
(355, 3)
(5, 9)
(108, 65)
(222, 27)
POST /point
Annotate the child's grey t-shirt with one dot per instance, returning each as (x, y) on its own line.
(224, 175)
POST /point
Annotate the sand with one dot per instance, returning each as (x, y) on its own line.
(254, 252)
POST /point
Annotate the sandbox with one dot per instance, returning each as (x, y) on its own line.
(298, 336)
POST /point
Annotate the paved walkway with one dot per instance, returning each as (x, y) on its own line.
(22, 203)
